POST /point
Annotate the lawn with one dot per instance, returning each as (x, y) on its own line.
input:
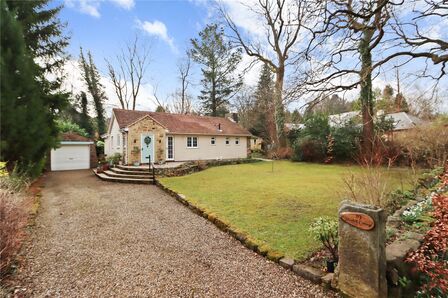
(274, 208)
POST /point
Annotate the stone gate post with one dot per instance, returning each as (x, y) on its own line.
(362, 252)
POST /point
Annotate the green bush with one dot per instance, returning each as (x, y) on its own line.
(346, 141)
(311, 141)
(309, 149)
(325, 230)
(70, 127)
(114, 159)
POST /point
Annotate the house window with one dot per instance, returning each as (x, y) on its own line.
(213, 141)
(237, 141)
(192, 142)
(118, 140)
(170, 148)
(227, 141)
(111, 142)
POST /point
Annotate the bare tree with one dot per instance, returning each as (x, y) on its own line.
(127, 76)
(424, 45)
(283, 21)
(362, 28)
(161, 105)
(181, 99)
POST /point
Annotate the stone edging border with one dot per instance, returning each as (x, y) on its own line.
(302, 270)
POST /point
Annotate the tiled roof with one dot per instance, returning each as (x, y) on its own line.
(404, 120)
(183, 124)
(73, 137)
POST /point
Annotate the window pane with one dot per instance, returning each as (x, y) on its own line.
(170, 148)
(195, 142)
(189, 142)
(213, 141)
(237, 141)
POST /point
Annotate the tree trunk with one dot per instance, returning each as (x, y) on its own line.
(366, 96)
(213, 98)
(182, 105)
(279, 136)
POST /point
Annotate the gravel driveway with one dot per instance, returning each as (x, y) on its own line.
(95, 238)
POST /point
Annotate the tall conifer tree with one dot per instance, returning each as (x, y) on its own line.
(84, 121)
(264, 125)
(92, 76)
(219, 62)
(28, 130)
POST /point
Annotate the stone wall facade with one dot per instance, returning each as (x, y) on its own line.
(145, 125)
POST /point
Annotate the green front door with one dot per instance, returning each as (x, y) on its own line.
(147, 142)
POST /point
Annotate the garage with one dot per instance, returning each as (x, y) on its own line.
(73, 153)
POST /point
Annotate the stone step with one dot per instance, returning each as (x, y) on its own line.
(134, 168)
(105, 177)
(132, 176)
(128, 172)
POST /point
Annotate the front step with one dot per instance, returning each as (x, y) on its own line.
(104, 176)
(130, 172)
(131, 176)
(133, 168)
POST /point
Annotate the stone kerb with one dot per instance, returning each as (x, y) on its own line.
(362, 254)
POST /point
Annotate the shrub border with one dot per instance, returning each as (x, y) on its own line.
(307, 272)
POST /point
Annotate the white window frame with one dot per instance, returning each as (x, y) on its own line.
(191, 141)
(213, 141)
(172, 144)
(227, 141)
(118, 140)
(237, 141)
(111, 142)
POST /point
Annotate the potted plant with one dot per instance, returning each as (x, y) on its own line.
(325, 230)
(99, 168)
(114, 159)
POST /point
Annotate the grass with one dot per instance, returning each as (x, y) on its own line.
(274, 208)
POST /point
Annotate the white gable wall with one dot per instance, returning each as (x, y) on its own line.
(114, 142)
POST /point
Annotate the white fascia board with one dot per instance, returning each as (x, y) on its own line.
(75, 143)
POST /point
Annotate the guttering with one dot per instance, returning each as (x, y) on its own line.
(76, 143)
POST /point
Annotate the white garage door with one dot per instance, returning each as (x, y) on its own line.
(70, 157)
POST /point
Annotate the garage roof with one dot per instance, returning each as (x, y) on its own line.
(73, 137)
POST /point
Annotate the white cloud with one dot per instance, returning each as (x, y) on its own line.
(92, 7)
(126, 4)
(157, 29)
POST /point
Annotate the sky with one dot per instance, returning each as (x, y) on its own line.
(104, 27)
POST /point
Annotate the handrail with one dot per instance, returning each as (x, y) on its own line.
(152, 170)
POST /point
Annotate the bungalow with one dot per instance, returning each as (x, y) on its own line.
(140, 136)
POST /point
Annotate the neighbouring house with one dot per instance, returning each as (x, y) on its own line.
(75, 152)
(140, 136)
(404, 121)
(401, 120)
(293, 126)
(256, 143)
(342, 119)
